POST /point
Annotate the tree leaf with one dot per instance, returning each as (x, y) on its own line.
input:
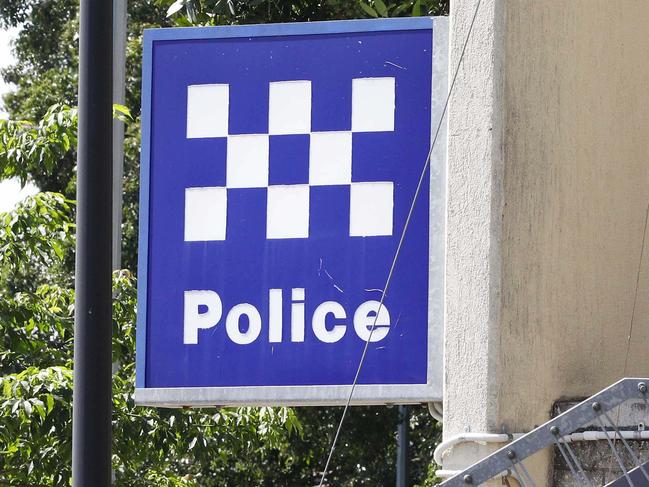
(400, 8)
(175, 7)
(40, 409)
(381, 8)
(49, 399)
(121, 112)
(416, 9)
(369, 10)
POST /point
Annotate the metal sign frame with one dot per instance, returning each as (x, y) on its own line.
(321, 394)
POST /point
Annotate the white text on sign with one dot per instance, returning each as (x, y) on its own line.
(204, 309)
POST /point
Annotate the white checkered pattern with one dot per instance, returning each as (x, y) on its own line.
(330, 160)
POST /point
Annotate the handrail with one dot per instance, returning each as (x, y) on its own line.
(550, 433)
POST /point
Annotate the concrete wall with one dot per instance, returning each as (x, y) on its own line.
(547, 196)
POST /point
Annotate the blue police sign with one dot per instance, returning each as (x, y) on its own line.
(279, 163)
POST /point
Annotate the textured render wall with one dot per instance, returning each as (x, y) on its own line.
(548, 184)
(576, 185)
(474, 207)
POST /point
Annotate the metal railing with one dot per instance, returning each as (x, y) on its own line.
(509, 459)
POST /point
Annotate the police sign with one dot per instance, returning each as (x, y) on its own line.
(279, 164)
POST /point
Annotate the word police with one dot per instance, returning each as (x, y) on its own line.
(204, 309)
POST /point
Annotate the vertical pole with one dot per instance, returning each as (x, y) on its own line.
(119, 80)
(402, 447)
(91, 426)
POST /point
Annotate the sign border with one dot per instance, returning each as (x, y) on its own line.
(318, 395)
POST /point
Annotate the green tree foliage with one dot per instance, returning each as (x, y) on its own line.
(270, 447)
(416, 8)
(37, 151)
(150, 446)
(218, 12)
(40, 223)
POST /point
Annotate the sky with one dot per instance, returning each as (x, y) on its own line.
(10, 190)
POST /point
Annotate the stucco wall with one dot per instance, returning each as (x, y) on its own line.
(548, 189)
(473, 215)
(474, 209)
(576, 185)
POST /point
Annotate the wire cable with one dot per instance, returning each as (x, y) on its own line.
(568, 461)
(398, 250)
(635, 296)
(580, 469)
(630, 334)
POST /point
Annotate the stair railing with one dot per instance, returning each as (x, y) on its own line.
(509, 459)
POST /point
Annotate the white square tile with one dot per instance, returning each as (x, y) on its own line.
(289, 109)
(373, 104)
(288, 211)
(247, 165)
(205, 213)
(207, 111)
(330, 158)
(370, 209)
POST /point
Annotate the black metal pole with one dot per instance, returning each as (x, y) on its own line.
(402, 447)
(91, 426)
